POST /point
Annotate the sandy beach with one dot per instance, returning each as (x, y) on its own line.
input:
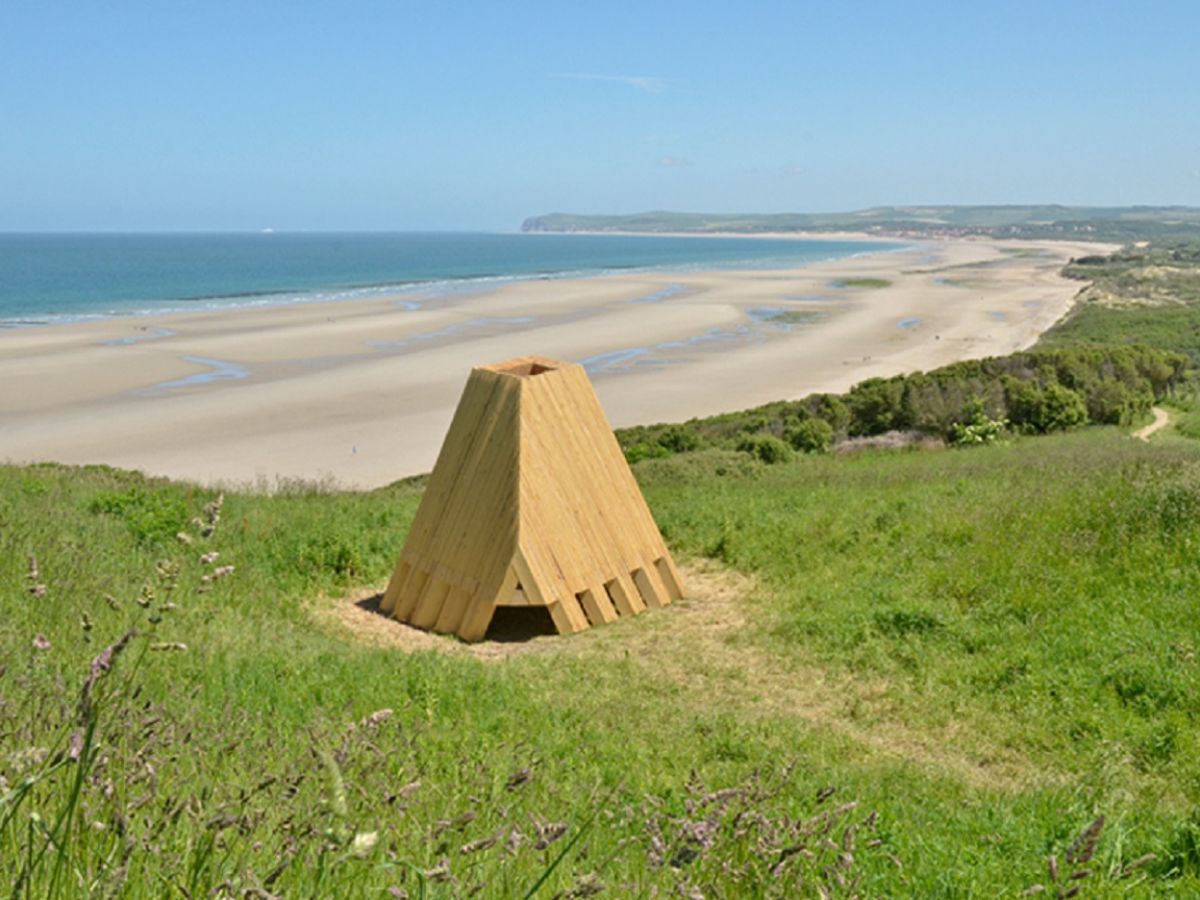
(362, 391)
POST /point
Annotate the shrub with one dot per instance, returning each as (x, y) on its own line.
(978, 429)
(810, 436)
(645, 450)
(678, 439)
(875, 406)
(753, 424)
(1062, 409)
(1025, 402)
(766, 447)
(830, 408)
(1111, 402)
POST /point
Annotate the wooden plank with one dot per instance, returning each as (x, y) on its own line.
(410, 593)
(482, 607)
(653, 596)
(429, 607)
(388, 603)
(665, 566)
(464, 531)
(625, 596)
(598, 483)
(523, 575)
(453, 611)
(656, 583)
(568, 617)
(516, 598)
(598, 607)
(477, 618)
(633, 529)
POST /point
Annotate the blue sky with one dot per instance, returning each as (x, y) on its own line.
(395, 115)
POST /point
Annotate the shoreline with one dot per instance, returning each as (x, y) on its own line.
(361, 391)
(436, 287)
(863, 236)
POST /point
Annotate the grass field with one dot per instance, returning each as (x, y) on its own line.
(927, 672)
(983, 649)
(1146, 295)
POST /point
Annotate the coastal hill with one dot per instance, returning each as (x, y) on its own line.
(1036, 221)
(941, 637)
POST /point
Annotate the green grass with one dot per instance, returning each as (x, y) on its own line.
(987, 648)
(1175, 328)
(1147, 295)
(874, 283)
(797, 317)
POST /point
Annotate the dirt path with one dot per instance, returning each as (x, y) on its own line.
(1160, 421)
(704, 645)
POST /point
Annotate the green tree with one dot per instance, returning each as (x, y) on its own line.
(876, 405)
(809, 435)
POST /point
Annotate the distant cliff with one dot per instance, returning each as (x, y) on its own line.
(1099, 223)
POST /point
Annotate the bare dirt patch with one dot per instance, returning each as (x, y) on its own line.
(704, 645)
(711, 607)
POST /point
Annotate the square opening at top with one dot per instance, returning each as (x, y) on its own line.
(524, 369)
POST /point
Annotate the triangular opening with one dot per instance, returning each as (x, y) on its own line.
(516, 624)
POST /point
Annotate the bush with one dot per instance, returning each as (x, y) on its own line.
(1111, 402)
(1062, 409)
(1025, 401)
(830, 408)
(640, 451)
(810, 436)
(1036, 391)
(875, 406)
(766, 447)
(678, 439)
(980, 429)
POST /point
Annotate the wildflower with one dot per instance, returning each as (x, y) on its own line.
(363, 843)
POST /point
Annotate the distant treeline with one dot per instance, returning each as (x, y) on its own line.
(1035, 391)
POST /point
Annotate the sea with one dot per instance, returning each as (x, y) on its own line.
(52, 278)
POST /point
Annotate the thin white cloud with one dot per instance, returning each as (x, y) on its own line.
(674, 162)
(650, 84)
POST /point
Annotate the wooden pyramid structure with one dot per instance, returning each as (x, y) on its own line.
(531, 503)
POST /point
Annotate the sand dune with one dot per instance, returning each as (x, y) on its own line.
(362, 391)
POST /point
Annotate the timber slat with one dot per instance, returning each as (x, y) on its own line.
(625, 596)
(598, 607)
(652, 593)
(455, 608)
(429, 607)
